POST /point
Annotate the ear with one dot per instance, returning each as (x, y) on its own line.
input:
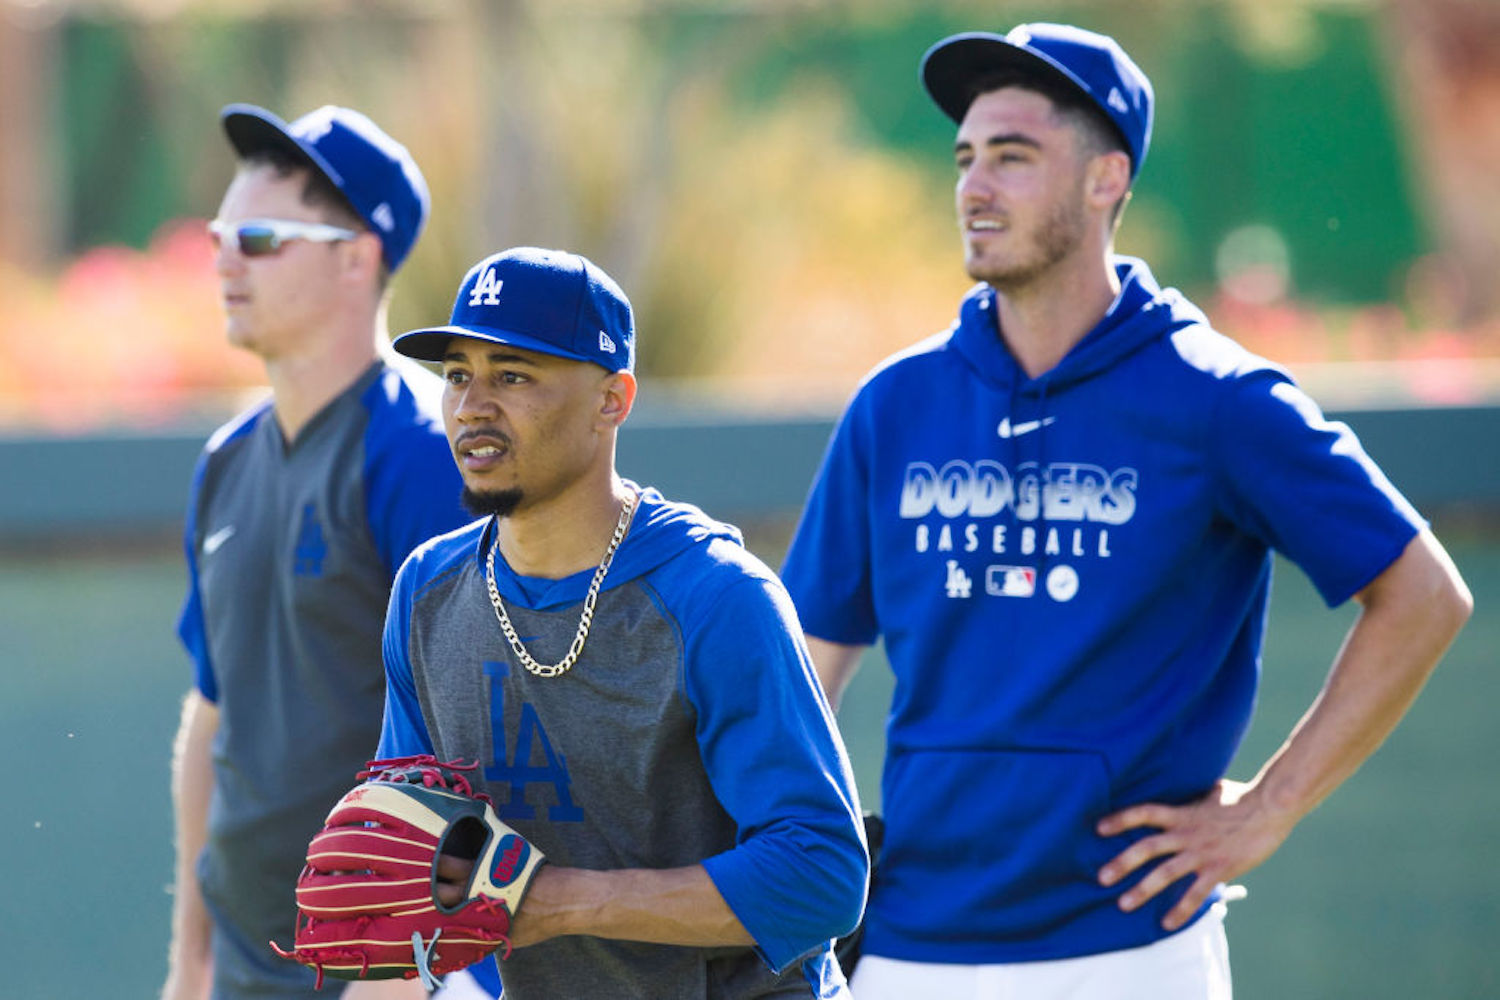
(1107, 179)
(618, 397)
(362, 257)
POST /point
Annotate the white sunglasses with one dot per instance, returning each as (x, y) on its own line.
(265, 237)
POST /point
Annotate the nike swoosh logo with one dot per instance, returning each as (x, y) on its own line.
(212, 543)
(1006, 430)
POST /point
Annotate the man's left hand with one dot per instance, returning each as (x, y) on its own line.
(1220, 837)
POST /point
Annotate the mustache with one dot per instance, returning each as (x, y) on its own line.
(487, 433)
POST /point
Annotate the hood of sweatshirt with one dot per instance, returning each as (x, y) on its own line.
(1141, 313)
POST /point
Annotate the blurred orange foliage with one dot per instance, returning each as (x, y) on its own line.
(856, 262)
(132, 340)
(1370, 355)
(120, 338)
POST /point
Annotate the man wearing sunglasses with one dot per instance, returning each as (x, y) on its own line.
(300, 512)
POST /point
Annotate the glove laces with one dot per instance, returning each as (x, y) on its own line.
(426, 769)
(422, 957)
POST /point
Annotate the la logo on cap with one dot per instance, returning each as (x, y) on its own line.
(486, 289)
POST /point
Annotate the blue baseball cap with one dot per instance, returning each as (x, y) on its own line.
(542, 300)
(373, 171)
(1092, 63)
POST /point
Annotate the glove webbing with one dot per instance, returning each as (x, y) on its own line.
(448, 774)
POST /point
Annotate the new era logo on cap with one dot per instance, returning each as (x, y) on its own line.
(554, 302)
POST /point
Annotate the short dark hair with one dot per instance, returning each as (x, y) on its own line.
(317, 191)
(1101, 134)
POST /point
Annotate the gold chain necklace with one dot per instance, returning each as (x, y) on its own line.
(627, 511)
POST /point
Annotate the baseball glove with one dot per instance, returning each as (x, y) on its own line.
(367, 905)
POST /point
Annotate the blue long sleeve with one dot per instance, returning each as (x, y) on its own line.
(798, 872)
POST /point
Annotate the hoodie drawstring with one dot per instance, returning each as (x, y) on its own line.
(1041, 483)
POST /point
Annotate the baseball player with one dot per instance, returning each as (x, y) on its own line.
(300, 511)
(1059, 515)
(632, 680)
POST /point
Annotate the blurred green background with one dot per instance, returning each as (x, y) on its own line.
(770, 185)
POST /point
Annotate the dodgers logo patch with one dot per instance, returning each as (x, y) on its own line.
(510, 860)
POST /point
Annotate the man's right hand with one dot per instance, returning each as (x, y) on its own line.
(188, 979)
(190, 959)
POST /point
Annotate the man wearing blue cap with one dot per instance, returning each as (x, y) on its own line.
(300, 512)
(632, 680)
(1058, 514)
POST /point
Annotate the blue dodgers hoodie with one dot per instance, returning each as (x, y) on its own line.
(1070, 574)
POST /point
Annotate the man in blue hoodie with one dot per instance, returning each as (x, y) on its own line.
(633, 681)
(1059, 516)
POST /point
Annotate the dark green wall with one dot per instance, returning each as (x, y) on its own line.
(122, 487)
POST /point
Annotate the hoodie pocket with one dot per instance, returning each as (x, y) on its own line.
(993, 843)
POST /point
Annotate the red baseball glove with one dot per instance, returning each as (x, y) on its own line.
(367, 905)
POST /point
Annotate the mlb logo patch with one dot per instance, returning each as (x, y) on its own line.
(1010, 581)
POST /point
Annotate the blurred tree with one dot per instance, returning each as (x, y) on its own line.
(28, 188)
(765, 177)
(1447, 59)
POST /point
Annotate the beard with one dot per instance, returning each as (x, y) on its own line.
(501, 503)
(1059, 234)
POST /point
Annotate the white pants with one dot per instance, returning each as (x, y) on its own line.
(1192, 964)
(461, 986)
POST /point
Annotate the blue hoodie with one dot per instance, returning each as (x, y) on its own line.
(1070, 574)
(691, 729)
